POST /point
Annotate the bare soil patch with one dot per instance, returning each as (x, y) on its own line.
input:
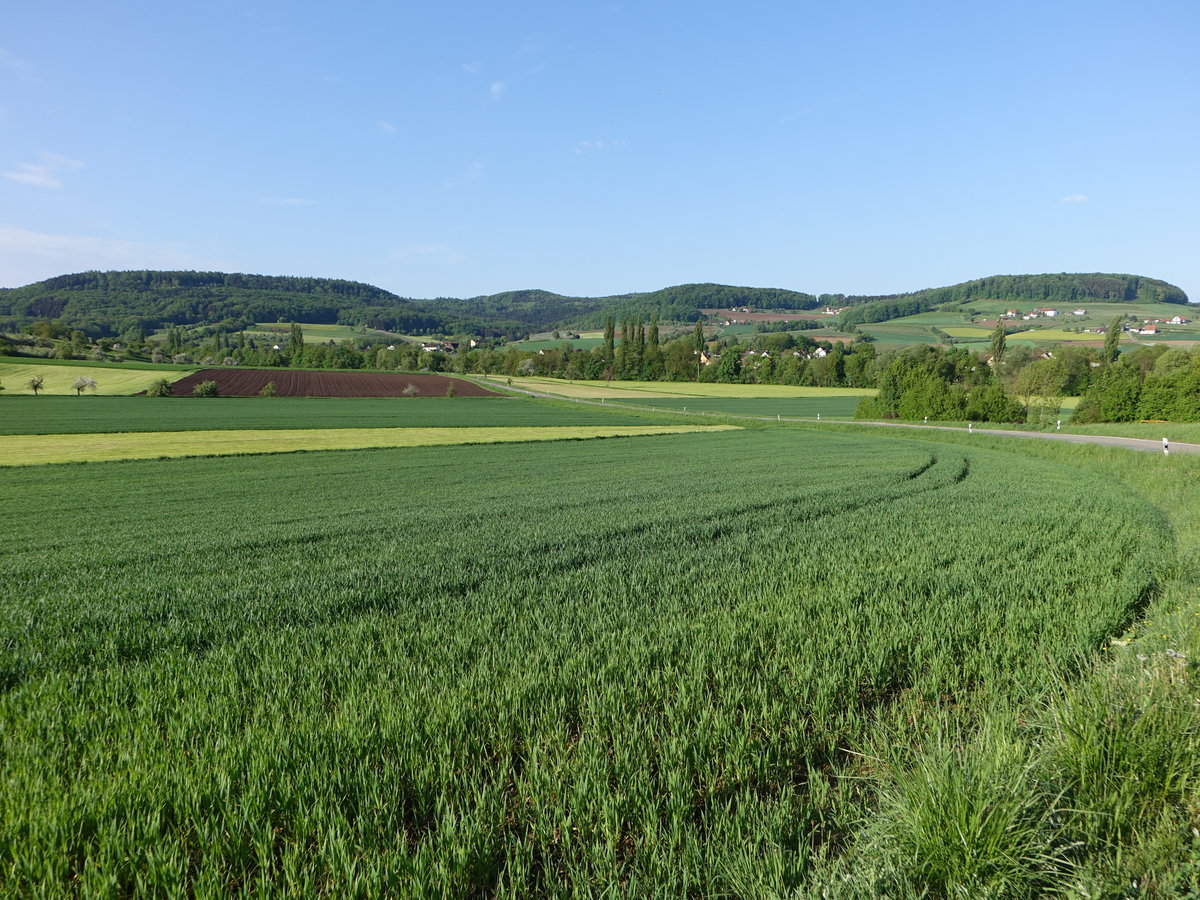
(305, 383)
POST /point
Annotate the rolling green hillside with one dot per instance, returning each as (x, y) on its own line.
(113, 303)
(1049, 289)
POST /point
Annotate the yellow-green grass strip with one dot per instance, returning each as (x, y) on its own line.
(59, 379)
(595, 390)
(967, 332)
(1055, 334)
(41, 449)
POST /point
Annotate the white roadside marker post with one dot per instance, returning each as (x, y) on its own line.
(970, 427)
(1166, 448)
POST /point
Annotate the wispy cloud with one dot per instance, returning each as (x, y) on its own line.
(531, 46)
(598, 146)
(14, 65)
(45, 173)
(497, 89)
(26, 256)
(386, 127)
(442, 254)
(1075, 198)
(472, 68)
(473, 172)
(287, 201)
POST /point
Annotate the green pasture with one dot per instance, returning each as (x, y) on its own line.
(541, 671)
(59, 379)
(933, 319)
(63, 415)
(787, 407)
(315, 333)
(551, 344)
(166, 368)
(906, 336)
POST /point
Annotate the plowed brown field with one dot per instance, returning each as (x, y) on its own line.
(302, 383)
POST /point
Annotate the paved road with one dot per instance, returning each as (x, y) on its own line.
(1107, 440)
(1103, 439)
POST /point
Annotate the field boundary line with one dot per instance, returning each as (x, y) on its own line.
(1128, 443)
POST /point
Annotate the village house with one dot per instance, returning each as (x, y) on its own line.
(1079, 312)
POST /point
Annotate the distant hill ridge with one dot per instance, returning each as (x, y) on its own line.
(113, 302)
(1063, 288)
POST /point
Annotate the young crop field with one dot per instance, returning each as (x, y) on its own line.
(43, 449)
(93, 415)
(966, 332)
(1054, 334)
(680, 665)
(60, 379)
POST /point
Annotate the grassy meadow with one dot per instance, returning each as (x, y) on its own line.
(315, 333)
(849, 665)
(787, 407)
(58, 379)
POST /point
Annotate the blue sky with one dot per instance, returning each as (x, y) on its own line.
(594, 148)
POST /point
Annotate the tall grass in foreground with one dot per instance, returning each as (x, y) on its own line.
(1106, 765)
(679, 666)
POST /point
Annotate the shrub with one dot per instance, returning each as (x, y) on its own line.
(206, 389)
(268, 390)
(160, 388)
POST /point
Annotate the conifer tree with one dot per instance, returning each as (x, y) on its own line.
(653, 363)
(1112, 337)
(295, 348)
(622, 362)
(999, 341)
(638, 356)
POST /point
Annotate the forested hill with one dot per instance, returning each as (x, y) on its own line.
(110, 302)
(1060, 289)
(114, 302)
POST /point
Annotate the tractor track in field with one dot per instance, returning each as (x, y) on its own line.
(1106, 440)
